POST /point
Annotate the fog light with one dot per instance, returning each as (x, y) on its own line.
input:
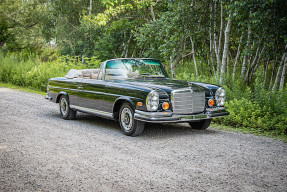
(210, 102)
(165, 105)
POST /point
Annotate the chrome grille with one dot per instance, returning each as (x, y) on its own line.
(186, 101)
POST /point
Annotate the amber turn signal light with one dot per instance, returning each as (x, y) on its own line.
(139, 104)
(165, 105)
(211, 102)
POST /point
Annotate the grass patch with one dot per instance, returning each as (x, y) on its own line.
(25, 89)
(245, 130)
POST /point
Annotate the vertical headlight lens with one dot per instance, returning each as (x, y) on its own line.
(220, 97)
(152, 101)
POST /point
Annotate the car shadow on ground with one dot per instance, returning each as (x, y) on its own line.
(151, 129)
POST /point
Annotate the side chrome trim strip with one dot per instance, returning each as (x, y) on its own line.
(93, 111)
(93, 92)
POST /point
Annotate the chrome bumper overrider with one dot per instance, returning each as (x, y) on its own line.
(169, 117)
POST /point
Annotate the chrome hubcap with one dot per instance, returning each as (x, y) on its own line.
(64, 106)
(126, 119)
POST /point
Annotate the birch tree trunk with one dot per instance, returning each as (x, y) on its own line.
(226, 49)
(252, 65)
(265, 71)
(282, 82)
(256, 64)
(221, 30)
(152, 13)
(211, 46)
(86, 35)
(229, 56)
(193, 56)
(172, 67)
(174, 59)
(215, 41)
(279, 72)
(237, 57)
(244, 63)
(273, 73)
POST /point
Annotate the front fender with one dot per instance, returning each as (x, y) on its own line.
(59, 95)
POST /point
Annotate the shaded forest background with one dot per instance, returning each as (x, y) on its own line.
(241, 45)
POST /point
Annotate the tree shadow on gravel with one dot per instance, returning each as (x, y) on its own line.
(172, 129)
(151, 130)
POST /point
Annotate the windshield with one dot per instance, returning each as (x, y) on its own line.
(134, 68)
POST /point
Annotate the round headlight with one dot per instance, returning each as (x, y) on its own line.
(152, 101)
(220, 97)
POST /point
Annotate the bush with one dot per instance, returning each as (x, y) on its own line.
(29, 71)
(259, 110)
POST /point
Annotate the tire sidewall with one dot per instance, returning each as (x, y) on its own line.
(64, 116)
(132, 129)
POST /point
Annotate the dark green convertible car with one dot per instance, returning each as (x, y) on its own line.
(135, 91)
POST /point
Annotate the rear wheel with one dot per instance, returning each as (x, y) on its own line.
(128, 124)
(203, 124)
(65, 110)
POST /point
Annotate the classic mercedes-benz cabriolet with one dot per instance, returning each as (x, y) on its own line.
(135, 91)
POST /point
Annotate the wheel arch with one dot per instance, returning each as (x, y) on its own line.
(118, 103)
(60, 94)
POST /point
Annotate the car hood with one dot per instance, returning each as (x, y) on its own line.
(168, 84)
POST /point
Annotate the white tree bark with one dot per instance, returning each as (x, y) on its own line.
(282, 82)
(172, 67)
(84, 50)
(279, 71)
(152, 13)
(211, 46)
(215, 41)
(265, 71)
(253, 64)
(244, 63)
(90, 8)
(237, 57)
(221, 29)
(228, 63)
(226, 49)
(273, 73)
(193, 56)
(256, 63)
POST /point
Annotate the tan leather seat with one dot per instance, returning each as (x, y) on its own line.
(94, 76)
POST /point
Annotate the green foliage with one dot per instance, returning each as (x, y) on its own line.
(20, 24)
(30, 71)
(260, 110)
(255, 116)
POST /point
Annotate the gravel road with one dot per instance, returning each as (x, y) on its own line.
(39, 151)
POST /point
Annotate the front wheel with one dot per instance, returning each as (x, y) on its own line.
(203, 124)
(65, 110)
(128, 124)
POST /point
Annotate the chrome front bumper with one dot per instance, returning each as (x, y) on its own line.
(169, 117)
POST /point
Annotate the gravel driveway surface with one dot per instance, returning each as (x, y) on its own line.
(39, 151)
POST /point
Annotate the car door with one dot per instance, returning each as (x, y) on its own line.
(92, 94)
